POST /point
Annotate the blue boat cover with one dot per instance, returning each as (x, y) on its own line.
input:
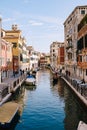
(30, 76)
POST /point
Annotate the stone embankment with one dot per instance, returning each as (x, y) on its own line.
(9, 86)
(78, 87)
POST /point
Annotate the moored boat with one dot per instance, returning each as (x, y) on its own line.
(82, 126)
(34, 73)
(30, 80)
(7, 113)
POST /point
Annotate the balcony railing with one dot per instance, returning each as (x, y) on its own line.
(82, 65)
(69, 46)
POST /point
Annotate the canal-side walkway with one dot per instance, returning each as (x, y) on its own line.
(79, 92)
(9, 86)
(78, 87)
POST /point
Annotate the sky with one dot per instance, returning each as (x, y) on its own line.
(41, 21)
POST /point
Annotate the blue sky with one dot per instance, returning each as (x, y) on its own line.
(41, 21)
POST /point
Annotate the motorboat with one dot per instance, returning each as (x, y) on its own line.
(34, 73)
(30, 80)
(82, 126)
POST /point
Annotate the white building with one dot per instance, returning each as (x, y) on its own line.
(24, 56)
(34, 60)
(54, 54)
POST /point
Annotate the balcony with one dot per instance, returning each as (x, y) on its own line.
(69, 51)
(82, 65)
(69, 46)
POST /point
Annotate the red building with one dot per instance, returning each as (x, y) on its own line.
(61, 57)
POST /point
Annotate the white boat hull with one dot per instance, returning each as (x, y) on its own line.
(82, 126)
(30, 81)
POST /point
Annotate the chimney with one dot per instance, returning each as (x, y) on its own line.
(14, 27)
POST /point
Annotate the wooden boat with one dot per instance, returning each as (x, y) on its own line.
(7, 113)
(30, 80)
(82, 126)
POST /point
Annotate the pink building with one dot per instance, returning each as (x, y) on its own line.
(6, 54)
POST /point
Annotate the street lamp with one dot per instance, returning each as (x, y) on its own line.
(0, 52)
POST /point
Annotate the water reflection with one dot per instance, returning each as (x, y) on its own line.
(30, 88)
(74, 111)
(48, 106)
(57, 88)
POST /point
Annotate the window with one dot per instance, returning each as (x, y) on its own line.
(14, 44)
(3, 47)
(81, 71)
(3, 61)
(86, 72)
(83, 59)
(8, 48)
(69, 56)
(80, 58)
(86, 58)
(86, 40)
(1, 34)
(82, 11)
(31, 58)
(80, 44)
(21, 57)
(20, 46)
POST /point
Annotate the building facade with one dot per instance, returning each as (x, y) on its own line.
(6, 55)
(34, 60)
(55, 52)
(24, 56)
(14, 36)
(71, 36)
(82, 49)
(61, 57)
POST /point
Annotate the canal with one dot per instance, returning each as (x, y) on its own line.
(48, 106)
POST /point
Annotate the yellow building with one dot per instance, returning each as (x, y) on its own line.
(14, 36)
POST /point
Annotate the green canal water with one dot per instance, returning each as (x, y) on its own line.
(48, 106)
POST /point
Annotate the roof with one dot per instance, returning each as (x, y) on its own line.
(83, 6)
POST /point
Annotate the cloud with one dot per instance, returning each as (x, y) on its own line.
(37, 20)
(34, 23)
(26, 1)
(50, 19)
(8, 19)
(47, 19)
